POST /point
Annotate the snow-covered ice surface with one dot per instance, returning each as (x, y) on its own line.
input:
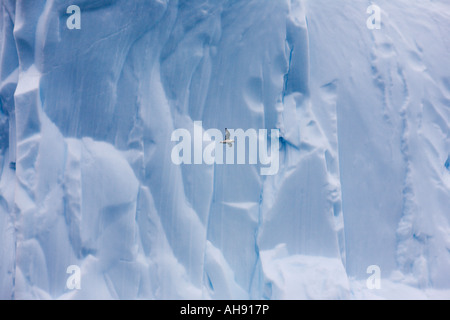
(86, 176)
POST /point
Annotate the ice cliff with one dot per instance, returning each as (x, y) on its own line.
(86, 177)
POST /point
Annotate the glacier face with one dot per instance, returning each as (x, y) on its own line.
(86, 175)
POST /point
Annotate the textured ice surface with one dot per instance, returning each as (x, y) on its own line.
(86, 176)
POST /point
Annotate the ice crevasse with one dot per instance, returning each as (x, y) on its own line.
(87, 180)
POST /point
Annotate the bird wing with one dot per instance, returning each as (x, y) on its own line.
(227, 134)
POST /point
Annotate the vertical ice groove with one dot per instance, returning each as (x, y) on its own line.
(42, 33)
(406, 225)
(8, 83)
(286, 76)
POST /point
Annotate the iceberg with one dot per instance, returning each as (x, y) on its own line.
(93, 207)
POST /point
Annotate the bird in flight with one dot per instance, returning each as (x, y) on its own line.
(227, 138)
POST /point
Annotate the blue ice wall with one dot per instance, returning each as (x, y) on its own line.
(87, 178)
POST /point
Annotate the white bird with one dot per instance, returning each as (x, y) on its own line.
(227, 138)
